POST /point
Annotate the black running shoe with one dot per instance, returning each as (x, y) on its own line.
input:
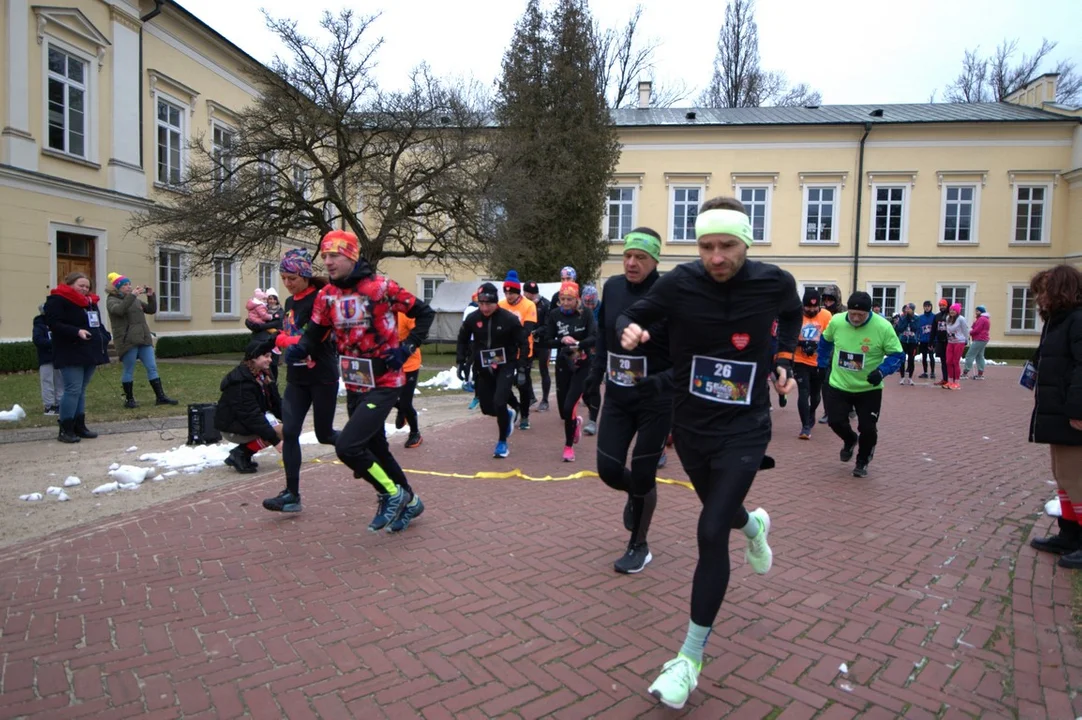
(861, 470)
(634, 560)
(286, 501)
(846, 453)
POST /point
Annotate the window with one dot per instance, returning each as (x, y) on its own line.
(889, 221)
(887, 297)
(619, 212)
(959, 214)
(756, 201)
(267, 272)
(685, 208)
(224, 298)
(820, 213)
(170, 134)
(1030, 216)
(958, 293)
(223, 161)
(67, 103)
(171, 283)
(818, 287)
(300, 180)
(1023, 310)
(428, 287)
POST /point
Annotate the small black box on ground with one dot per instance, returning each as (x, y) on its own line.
(201, 430)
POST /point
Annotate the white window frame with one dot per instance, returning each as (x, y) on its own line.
(808, 187)
(68, 85)
(903, 231)
(701, 188)
(302, 181)
(421, 279)
(802, 286)
(974, 232)
(971, 295)
(1008, 330)
(271, 269)
(1046, 215)
(768, 205)
(234, 280)
(634, 202)
(219, 151)
(185, 312)
(90, 99)
(898, 286)
(184, 108)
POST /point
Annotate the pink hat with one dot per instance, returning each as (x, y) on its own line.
(956, 307)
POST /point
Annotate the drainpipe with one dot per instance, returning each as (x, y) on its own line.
(146, 18)
(860, 198)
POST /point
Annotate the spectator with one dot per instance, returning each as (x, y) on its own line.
(249, 411)
(978, 335)
(132, 336)
(52, 382)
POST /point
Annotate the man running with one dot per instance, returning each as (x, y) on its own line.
(540, 350)
(718, 312)
(806, 361)
(862, 349)
(526, 311)
(499, 345)
(361, 306)
(638, 397)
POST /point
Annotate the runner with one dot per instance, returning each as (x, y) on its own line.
(406, 413)
(861, 349)
(591, 396)
(567, 274)
(574, 332)
(638, 397)
(360, 305)
(907, 326)
(311, 383)
(806, 361)
(525, 310)
(926, 321)
(499, 340)
(832, 301)
(718, 312)
(540, 351)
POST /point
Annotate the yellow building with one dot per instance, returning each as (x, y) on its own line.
(909, 202)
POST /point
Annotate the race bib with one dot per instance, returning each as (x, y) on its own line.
(723, 381)
(942, 326)
(626, 370)
(493, 357)
(93, 318)
(271, 419)
(350, 311)
(1028, 378)
(357, 371)
(853, 362)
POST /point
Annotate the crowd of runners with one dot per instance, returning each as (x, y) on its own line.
(687, 358)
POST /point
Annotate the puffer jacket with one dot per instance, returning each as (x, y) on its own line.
(1057, 397)
(245, 402)
(66, 313)
(127, 317)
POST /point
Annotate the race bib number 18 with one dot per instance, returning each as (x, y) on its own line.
(723, 381)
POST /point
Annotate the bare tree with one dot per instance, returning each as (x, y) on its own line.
(738, 79)
(993, 78)
(323, 147)
(623, 58)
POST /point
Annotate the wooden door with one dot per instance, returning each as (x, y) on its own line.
(75, 253)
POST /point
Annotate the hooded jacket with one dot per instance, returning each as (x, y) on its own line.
(908, 329)
(1057, 397)
(927, 326)
(127, 317)
(979, 331)
(839, 306)
(43, 340)
(244, 404)
(67, 311)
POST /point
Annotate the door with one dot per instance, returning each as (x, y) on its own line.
(75, 253)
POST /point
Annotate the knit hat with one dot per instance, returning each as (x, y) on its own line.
(589, 294)
(569, 288)
(911, 306)
(257, 348)
(488, 293)
(511, 282)
(647, 243)
(259, 295)
(860, 301)
(928, 303)
(531, 287)
(341, 242)
(116, 280)
(956, 308)
(569, 271)
(981, 309)
(943, 302)
(297, 261)
(811, 297)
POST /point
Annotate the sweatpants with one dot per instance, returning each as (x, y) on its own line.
(493, 389)
(52, 385)
(910, 350)
(809, 392)
(405, 401)
(362, 443)
(569, 386)
(954, 360)
(721, 470)
(976, 354)
(867, 405)
(297, 399)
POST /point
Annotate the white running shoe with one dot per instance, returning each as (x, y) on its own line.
(678, 678)
(758, 553)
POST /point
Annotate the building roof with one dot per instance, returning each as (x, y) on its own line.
(838, 115)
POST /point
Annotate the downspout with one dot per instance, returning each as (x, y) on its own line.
(860, 199)
(146, 18)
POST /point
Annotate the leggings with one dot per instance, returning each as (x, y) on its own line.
(809, 392)
(592, 397)
(405, 401)
(954, 360)
(525, 394)
(493, 388)
(926, 355)
(362, 443)
(542, 354)
(323, 399)
(721, 471)
(867, 405)
(569, 387)
(910, 350)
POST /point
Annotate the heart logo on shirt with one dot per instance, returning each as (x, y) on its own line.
(480, 324)
(741, 340)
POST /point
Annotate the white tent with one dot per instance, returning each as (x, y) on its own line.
(450, 302)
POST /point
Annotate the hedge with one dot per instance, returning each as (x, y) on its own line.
(174, 346)
(18, 356)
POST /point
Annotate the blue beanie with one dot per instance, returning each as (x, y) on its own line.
(511, 281)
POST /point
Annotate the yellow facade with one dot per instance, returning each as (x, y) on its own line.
(81, 196)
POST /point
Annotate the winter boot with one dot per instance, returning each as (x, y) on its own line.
(240, 459)
(162, 398)
(67, 433)
(129, 395)
(1071, 561)
(80, 427)
(1067, 540)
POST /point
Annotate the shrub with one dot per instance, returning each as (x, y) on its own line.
(1009, 352)
(18, 357)
(174, 346)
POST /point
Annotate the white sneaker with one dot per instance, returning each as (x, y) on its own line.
(902, 381)
(758, 553)
(678, 678)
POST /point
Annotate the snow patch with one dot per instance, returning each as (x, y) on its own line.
(62, 497)
(53, 490)
(31, 497)
(114, 466)
(189, 458)
(15, 414)
(1052, 508)
(72, 481)
(106, 488)
(444, 379)
(133, 448)
(130, 474)
(843, 669)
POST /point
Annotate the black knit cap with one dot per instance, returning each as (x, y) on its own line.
(811, 297)
(258, 347)
(488, 293)
(530, 287)
(860, 300)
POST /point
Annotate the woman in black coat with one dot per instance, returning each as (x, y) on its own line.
(80, 344)
(249, 394)
(1057, 402)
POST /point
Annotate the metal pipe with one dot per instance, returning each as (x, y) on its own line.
(146, 18)
(860, 199)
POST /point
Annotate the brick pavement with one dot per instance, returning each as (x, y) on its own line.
(501, 602)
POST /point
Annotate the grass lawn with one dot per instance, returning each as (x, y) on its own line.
(186, 382)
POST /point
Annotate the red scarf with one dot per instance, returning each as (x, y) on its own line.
(74, 296)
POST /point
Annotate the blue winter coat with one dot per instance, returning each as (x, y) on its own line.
(927, 322)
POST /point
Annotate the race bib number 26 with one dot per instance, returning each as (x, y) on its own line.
(722, 381)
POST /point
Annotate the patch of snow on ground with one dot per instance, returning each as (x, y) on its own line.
(15, 414)
(130, 474)
(189, 458)
(106, 488)
(444, 379)
(133, 448)
(72, 481)
(1052, 508)
(31, 497)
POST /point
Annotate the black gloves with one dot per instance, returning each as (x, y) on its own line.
(809, 348)
(463, 371)
(295, 354)
(875, 377)
(397, 357)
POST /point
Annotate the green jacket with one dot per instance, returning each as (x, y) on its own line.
(127, 317)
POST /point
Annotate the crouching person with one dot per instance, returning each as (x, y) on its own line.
(249, 411)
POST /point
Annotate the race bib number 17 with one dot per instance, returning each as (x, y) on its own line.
(722, 381)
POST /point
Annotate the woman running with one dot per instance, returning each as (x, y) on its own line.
(574, 332)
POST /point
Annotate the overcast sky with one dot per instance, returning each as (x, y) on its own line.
(897, 52)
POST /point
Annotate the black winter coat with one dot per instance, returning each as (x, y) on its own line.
(244, 403)
(43, 340)
(1057, 398)
(581, 326)
(65, 319)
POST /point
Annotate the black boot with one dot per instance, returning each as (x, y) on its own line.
(1071, 561)
(162, 398)
(67, 433)
(240, 459)
(1067, 540)
(81, 429)
(129, 395)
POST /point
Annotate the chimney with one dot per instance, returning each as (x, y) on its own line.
(644, 94)
(1036, 92)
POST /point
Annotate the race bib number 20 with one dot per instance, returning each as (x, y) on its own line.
(722, 381)
(626, 370)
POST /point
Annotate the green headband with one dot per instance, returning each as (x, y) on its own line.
(642, 241)
(724, 222)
